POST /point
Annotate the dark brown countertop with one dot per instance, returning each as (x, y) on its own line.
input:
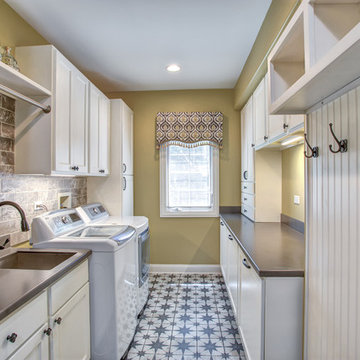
(273, 249)
(17, 286)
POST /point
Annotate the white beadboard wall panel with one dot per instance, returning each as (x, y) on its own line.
(333, 236)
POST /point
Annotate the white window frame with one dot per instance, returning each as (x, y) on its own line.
(166, 211)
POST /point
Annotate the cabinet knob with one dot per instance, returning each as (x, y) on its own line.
(245, 199)
(252, 145)
(246, 264)
(75, 168)
(245, 210)
(12, 337)
(230, 237)
(265, 137)
(101, 171)
(285, 126)
(48, 331)
(245, 174)
(124, 167)
(124, 183)
(221, 223)
(58, 320)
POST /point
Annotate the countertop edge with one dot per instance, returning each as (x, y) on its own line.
(28, 296)
(263, 273)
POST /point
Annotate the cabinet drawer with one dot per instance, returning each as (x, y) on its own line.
(67, 286)
(247, 187)
(248, 211)
(247, 199)
(23, 323)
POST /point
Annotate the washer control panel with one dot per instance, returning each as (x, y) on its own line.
(64, 221)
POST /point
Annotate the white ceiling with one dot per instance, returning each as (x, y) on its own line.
(125, 45)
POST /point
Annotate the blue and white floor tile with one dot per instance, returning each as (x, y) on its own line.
(188, 316)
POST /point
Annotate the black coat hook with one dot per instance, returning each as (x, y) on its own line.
(343, 144)
(314, 150)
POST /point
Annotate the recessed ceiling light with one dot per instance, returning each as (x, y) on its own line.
(173, 68)
(292, 140)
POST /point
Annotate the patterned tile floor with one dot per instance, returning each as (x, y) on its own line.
(188, 316)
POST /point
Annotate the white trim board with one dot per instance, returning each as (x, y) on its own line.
(184, 268)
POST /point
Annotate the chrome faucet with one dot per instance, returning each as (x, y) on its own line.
(24, 223)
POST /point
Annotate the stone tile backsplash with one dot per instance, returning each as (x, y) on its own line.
(27, 189)
(7, 134)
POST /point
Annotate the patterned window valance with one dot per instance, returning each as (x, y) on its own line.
(189, 129)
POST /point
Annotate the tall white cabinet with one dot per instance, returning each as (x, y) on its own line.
(116, 191)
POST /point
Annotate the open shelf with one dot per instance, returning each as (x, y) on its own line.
(330, 22)
(326, 60)
(288, 63)
(21, 83)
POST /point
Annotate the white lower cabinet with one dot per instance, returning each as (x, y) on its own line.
(34, 333)
(36, 348)
(71, 328)
(251, 312)
(268, 310)
(229, 263)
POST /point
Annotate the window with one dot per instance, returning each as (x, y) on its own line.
(189, 181)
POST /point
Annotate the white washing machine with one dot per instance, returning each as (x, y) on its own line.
(97, 214)
(112, 275)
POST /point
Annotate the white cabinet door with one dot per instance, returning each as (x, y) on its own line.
(94, 115)
(223, 241)
(251, 310)
(260, 114)
(99, 132)
(250, 143)
(79, 121)
(71, 328)
(233, 272)
(295, 121)
(128, 141)
(247, 156)
(244, 148)
(128, 196)
(62, 106)
(36, 348)
(104, 135)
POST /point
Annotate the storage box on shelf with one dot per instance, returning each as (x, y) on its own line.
(268, 310)
(316, 55)
(57, 142)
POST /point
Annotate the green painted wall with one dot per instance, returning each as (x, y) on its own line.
(181, 240)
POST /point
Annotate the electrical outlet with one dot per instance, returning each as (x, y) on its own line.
(296, 199)
(38, 205)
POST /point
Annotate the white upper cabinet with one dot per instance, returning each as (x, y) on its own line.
(270, 128)
(74, 137)
(259, 113)
(99, 132)
(127, 141)
(62, 111)
(79, 122)
(247, 142)
(316, 55)
(71, 117)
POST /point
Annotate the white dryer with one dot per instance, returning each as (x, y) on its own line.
(112, 275)
(97, 214)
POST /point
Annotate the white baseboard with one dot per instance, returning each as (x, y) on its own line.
(183, 268)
